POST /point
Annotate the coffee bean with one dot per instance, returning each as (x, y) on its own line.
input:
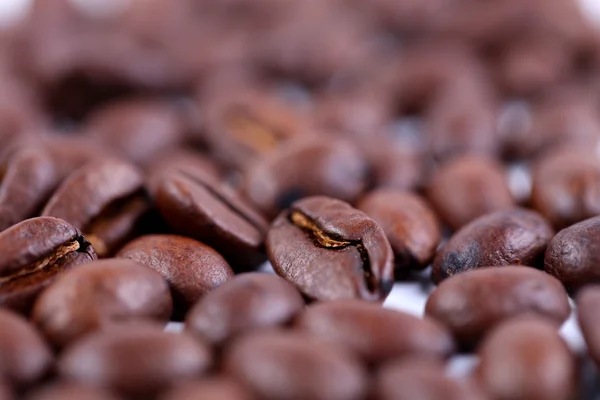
(409, 223)
(525, 358)
(468, 187)
(572, 254)
(471, 304)
(191, 268)
(34, 252)
(279, 365)
(104, 199)
(135, 360)
(248, 302)
(514, 236)
(374, 333)
(328, 167)
(330, 250)
(106, 292)
(588, 307)
(210, 389)
(70, 391)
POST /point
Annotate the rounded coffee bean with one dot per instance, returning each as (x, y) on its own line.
(473, 303)
(572, 255)
(374, 333)
(409, 223)
(191, 268)
(516, 236)
(526, 359)
(330, 250)
(468, 187)
(34, 252)
(68, 391)
(220, 388)
(248, 302)
(135, 360)
(588, 313)
(106, 292)
(283, 365)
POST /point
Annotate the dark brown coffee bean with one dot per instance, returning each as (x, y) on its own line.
(70, 391)
(136, 360)
(210, 389)
(330, 250)
(468, 187)
(248, 302)
(24, 355)
(588, 309)
(572, 255)
(329, 167)
(374, 333)
(473, 303)
(287, 366)
(526, 359)
(34, 252)
(196, 204)
(422, 379)
(409, 223)
(104, 199)
(106, 292)
(515, 236)
(191, 268)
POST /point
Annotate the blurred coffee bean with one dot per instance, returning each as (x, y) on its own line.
(180, 158)
(526, 359)
(106, 292)
(330, 250)
(515, 236)
(34, 252)
(473, 303)
(191, 268)
(209, 389)
(409, 223)
(247, 303)
(588, 307)
(68, 391)
(468, 187)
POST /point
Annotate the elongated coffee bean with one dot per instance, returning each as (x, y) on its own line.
(515, 236)
(330, 250)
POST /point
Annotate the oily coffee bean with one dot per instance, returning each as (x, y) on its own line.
(287, 366)
(302, 168)
(135, 360)
(374, 333)
(196, 204)
(34, 252)
(24, 356)
(468, 187)
(330, 250)
(106, 292)
(104, 199)
(471, 304)
(525, 358)
(70, 391)
(515, 236)
(588, 308)
(572, 254)
(191, 268)
(423, 379)
(248, 302)
(409, 223)
(220, 388)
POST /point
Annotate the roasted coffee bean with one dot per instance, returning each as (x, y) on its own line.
(473, 303)
(135, 360)
(468, 187)
(330, 250)
(248, 302)
(515, 236)
(210, 389)
(34, 252)
(302, 168)
(104, 199)
(287, 366)
(191, 268)
(196, 204)
(423, 379)
(526, 359)
(409, 223)
(70, 391)
(374, 333)
(24, 355)
(588, 309)
(105, 292)
(572, 254)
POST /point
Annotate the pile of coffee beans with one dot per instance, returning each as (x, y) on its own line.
(212, 199)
